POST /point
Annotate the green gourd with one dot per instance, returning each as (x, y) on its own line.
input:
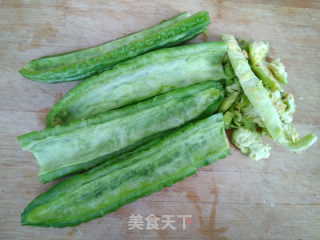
(64, 150)
(154, 166)
(140, 78)
(83, 63)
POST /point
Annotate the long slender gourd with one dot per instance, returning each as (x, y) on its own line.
(106, 188)
(83, 63)
(83, 144)
(140, 78)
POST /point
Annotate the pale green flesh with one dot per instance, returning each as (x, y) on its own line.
(82, 142)
(96, 193)
(139, 79)
(266, 76)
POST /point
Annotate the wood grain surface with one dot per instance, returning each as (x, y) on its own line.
(235, 198)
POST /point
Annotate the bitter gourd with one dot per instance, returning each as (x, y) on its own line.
(83, 63)
(83, 144)
(106, 188)
(140, 78)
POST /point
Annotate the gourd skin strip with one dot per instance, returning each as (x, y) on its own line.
(93, 194)
(140, 78)
(81, 145)
(83, 63)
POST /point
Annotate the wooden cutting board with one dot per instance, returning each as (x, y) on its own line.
(235, 198)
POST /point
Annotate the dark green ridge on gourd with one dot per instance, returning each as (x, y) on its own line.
(83, 144)
(104, 189)
(140, 78)
(83, 63)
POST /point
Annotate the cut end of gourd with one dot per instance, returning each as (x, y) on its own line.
(24, 219)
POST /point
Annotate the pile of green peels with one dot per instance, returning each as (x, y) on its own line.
(255, 102)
